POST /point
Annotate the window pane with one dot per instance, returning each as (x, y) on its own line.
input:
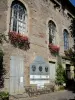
(20, 15)
(66, 42)
(14, 25)
(52, 29)
(15, 6)
(15, 14)
(18, 18)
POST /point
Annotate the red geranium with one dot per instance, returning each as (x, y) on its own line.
(19, 40)
(54, 48)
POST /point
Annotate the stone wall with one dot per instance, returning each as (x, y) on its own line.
(39, 13)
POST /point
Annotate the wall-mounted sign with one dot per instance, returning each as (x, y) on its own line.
(39, 67)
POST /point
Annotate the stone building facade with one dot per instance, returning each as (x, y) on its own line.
(35, 25)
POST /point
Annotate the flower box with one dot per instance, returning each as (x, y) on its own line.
(19, 40)
(53, 48)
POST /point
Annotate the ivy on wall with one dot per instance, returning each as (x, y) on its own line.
(2, 69)
(60, 75)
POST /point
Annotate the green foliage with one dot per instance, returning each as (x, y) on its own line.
(1, 53)
(2, 38)
(71, 55)
(72, 30)
(61, 88)
(60, 75)
(4, 96)
(2, 70)
(71, 52)
(72, 27)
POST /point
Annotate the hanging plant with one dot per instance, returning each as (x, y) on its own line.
(54, 48)
(19, 40)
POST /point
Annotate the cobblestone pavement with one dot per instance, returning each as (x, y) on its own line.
(61, 95)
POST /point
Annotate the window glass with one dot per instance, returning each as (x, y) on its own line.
(52, 30)
(18, 22)
(15, 25)
(66, 41)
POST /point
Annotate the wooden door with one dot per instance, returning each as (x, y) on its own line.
(16, 75)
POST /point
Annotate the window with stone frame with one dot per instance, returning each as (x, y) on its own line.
(52, 32)
(18, 17)
(66, 39)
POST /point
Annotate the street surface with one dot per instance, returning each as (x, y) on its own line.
(60, 95)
